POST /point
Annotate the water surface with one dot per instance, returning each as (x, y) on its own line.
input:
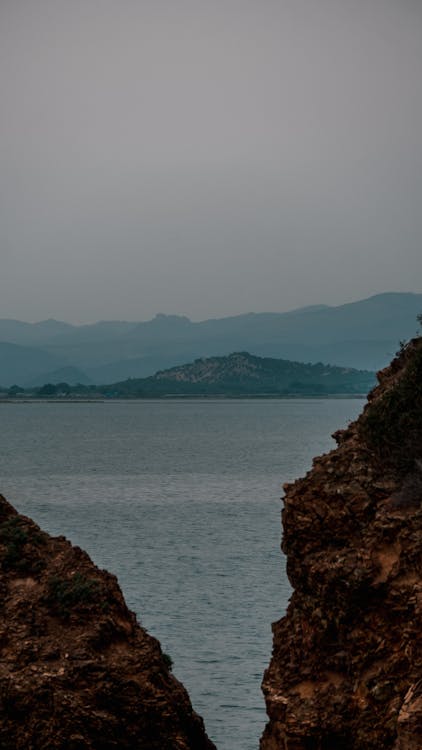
(181, 500)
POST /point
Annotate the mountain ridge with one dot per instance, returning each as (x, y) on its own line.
(364, 334)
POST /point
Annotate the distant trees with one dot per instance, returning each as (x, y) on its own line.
(51, 389)
(63, 388)
(47, 390)
(14, 390)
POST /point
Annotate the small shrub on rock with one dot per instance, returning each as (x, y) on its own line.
(66, 594)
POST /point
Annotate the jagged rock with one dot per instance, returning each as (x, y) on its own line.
(77, 672)
(346, 669)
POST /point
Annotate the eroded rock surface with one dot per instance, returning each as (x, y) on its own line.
(76, 670)
(346, 670)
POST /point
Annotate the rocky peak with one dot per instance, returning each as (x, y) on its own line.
(346, 669)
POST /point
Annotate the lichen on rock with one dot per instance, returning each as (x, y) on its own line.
(346, 669)
(77, 672)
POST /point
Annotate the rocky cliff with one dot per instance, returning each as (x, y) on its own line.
(346, 670)
(76, 670)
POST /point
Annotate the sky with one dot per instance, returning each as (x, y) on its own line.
(207, 158)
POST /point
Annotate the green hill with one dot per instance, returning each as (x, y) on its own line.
(242, 374)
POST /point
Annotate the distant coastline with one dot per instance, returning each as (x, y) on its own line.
(187, 397)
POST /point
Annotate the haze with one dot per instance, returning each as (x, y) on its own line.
(207, 158)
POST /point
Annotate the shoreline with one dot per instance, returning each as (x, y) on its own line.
(214, 397)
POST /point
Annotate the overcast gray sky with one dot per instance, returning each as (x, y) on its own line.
(207, 157)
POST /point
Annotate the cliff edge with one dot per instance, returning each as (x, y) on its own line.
(77, 672)
(346, 669)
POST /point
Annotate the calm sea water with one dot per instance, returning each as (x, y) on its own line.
(181, 499)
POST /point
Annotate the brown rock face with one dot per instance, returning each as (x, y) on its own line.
(346, 670)
(76, 670)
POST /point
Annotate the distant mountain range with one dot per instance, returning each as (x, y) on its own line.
(362, 335)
